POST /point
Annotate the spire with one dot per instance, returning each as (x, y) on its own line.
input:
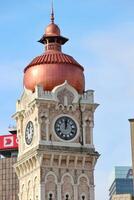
(52, 36)
(52, 13)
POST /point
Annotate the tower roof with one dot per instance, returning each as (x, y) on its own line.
(53, 67)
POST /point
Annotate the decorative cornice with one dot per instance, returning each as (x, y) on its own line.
(131, 120)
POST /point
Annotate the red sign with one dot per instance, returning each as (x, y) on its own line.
(8, 142)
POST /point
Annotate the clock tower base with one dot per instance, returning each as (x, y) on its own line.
(60, 174)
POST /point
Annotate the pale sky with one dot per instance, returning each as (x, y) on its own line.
(101, 34)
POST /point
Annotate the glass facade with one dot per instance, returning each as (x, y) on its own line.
(122, 181)
(123, 172)
(8, 179)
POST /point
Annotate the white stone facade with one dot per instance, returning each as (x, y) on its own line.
(51, 168)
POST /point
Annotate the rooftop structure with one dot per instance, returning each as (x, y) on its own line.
(53, 67)
(122, 182)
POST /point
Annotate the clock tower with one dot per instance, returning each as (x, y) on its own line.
(55, 120)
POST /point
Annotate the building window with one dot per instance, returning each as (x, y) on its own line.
(83, 197)
(50, 196)
(67, 197)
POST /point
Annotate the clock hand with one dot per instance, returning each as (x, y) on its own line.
(65, 123)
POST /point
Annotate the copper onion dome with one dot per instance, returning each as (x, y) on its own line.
(52, 30)
(53, 67)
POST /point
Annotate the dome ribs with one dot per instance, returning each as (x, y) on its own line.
(53, 58)
(54, 55)
(42, 58)
(49, 58)
(62, 60)
(57, 58)
(68, 60)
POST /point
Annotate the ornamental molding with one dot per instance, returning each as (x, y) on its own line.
(66, 87)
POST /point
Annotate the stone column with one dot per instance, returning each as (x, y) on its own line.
(42, 191)
(84, 133)
(91, 125)
(59, 191)
(92, 195)
(47, 123)
(76, 191)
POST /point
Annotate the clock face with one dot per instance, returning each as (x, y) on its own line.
(29, 132)
(65, 128)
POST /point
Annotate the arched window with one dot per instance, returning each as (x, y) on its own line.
(67, 187)
(50, 186)
(50, 196)
(67, 197)
(83, 187)
(83, 197)
(36, 197)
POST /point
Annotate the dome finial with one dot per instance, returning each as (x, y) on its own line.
(52, 13)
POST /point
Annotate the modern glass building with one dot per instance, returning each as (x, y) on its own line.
(122, 181)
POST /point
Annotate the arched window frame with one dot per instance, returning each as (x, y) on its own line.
(50, 193)
(67, 174)
(83, 195)
(51, 173)
(83, 176)
(65, 197)
(56, 181)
